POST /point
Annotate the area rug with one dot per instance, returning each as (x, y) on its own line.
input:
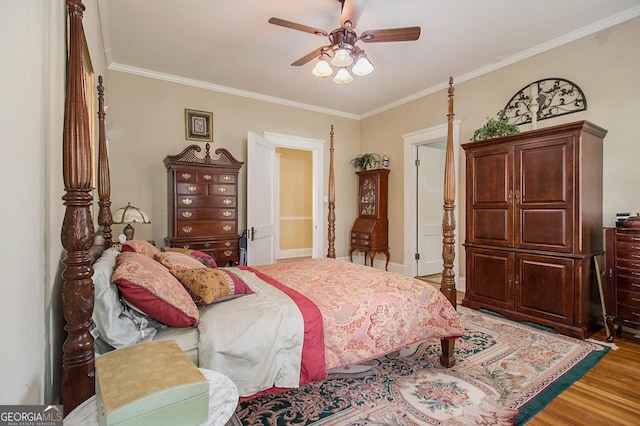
(505, 373)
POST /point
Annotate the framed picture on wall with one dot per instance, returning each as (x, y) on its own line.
(198, 125)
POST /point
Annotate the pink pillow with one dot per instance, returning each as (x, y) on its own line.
(142, 247)
(150, 287)
(178, 261)
(204, 258)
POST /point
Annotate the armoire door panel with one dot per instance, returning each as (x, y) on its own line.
(545, 287)
(492, 277)
(491, 226)
(492, 172)
(545, 172)
(544, 229)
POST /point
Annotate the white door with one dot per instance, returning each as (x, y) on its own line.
(430, 200)
(261, 161)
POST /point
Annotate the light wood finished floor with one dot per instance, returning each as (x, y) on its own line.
(609, 394)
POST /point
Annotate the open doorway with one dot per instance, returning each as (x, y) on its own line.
(294, 210)
(313, 216)
(423, 198)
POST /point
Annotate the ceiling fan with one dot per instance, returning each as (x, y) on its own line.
(342, 50)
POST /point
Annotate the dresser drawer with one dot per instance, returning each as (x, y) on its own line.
(626, 263)
(206, 177)
(196, 201)
(206, 214)
(222, 189)
(185, 176)
(624, 236)
(206, 227)
(627, 283)
(226, 178)
(231, 244)
(628, 245)
(628, 298)
(191, 188)
(631, 313)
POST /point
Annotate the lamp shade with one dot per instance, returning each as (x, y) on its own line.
(343, 76)
(322, 69)
(362, 67)
(130, 214)
(342, 58)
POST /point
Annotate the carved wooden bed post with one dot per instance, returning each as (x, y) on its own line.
(104, 179)
(77, 229)
(332, 203)
(447, 286)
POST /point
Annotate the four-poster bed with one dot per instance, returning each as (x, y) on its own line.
(78, 371)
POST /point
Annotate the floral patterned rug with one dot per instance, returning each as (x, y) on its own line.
(505, 373)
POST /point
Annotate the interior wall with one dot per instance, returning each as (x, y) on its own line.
(146, 123)
(604, 65)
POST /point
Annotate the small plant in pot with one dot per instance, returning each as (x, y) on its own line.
(366, 161)
(494, 128)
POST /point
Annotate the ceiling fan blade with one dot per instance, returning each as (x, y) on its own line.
(391, 34)
(310, 56)
(299, 27)
(351, 11)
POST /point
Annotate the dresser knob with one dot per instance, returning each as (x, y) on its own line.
(226, 214)
(187, 201)
(192, 188)
(226, 178)
(187, 229)
(227, 228)
(227, 252)
(186, 175)
(186, 246)
(207, 177)
(222, 189)
(207, 244)
(227, 244)
(187, 214)
(227, 201)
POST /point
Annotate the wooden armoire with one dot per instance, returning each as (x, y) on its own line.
(203, 203)
(534, 224)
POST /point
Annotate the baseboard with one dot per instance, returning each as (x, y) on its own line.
(288, 254)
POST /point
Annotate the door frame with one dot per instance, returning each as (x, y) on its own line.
(316, 146)
(411, 142)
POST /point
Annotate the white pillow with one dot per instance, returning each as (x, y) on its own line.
(114, 324)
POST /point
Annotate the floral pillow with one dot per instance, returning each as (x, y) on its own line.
(140, 246)
(150, 287)
(178, 261)
(210, 285)
(204, 258)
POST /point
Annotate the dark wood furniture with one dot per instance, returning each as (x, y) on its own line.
(534, 222)
(77, 233)
(203, 203)
(623, 278)
(370, 233)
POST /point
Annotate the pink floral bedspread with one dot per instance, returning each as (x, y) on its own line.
(367, 312)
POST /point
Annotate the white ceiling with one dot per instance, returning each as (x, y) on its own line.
(228, 45)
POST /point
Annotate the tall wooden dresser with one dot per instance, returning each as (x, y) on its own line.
(623, 278)
(534, 223)
(203, 203)
(370, 232)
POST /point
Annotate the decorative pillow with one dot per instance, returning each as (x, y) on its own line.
(150, 287)
(178, 261)
(140, 246)
(202, 257)
(209, 285)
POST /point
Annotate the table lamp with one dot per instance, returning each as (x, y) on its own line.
(129, 215)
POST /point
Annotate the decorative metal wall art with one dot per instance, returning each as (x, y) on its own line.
(544, 99)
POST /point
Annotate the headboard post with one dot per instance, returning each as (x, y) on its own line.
(331, 253)
(104, 180)
(77, 228)
(448, 286)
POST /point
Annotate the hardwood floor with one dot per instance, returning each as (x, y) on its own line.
(609, 394)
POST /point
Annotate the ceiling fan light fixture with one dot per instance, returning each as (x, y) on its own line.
(342, 76)
(342, 58)
(362, 67)
(322, 69)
